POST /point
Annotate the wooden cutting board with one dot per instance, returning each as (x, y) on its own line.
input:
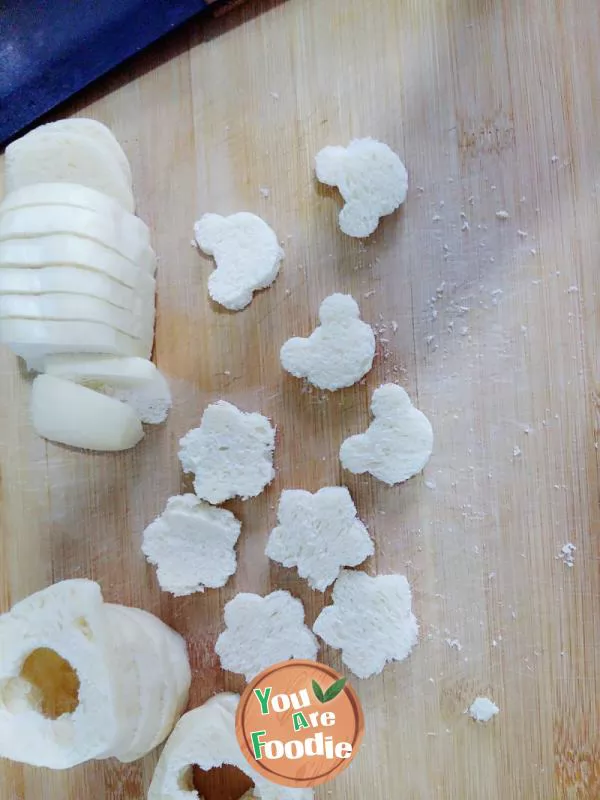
(491, 325)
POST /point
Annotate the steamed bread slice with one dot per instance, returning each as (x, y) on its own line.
(144, 704)
(120, 373)
(75, 281)
(71, 194)
(112, 232)
(165, 680)
(47, 155)
(129, 645)
(137, 323)
(135, 381)
(33, 340)
(74, 415)
(64, 250)
(97, 132)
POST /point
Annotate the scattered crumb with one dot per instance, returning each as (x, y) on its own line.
(482, 709)
(502, 215)
(533, 251)
(227, 372)
(465, 226)
(265, 191)
(194, 243)
(431, 485)
(567, 554)
(471, 200)
(288, 292)
(369, 294)
(516, 451)
(572, 289)
(436, 218)
(274, 95)
(522, 234)
(454, 644)
(394, 325)
(554, 159)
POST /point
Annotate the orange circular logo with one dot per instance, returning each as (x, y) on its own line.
(299, 723)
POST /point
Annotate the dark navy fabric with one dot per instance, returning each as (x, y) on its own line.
(50, 49)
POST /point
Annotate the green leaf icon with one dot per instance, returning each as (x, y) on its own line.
(331, 693)
(318, 692)
(334, 689)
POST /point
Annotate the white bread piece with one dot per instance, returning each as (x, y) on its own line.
(260, 631)
(74, 415)
(319, 534)
(68, 618)
(135, 381)
(74, 281)
(397, 444)
(137, 322)
(71, 250)
(114, 232)
(173, 646)
(371, 620)
(98, 132)
(246, 252)
(192, 545)
(131, 646)
(73, 195)
(371, 178)
(52, 156)
(33, 340)
(206, 736)
(231, 453)
(121, 373)
(164, 680)
(338, 353)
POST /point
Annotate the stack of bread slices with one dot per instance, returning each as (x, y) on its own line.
(77, 288)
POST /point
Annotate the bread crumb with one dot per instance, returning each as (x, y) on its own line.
(465, 226)
(454, 644)
(274, 95)
(572, 289)
(369, 294)
(522, 234)
(516, 451)
(567, 554)
(436, 218)
(265, 191)
(482, 709)
(502, 215)
(554, 159)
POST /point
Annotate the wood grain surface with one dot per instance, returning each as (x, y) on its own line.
(492, 326)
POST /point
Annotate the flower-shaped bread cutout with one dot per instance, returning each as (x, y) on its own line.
(397, 444)
(338, 353)
(371, 178)
(192, 545)
(231, 453)
(319, 534)
(371, 620)
(247, 254)
(261, 631)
